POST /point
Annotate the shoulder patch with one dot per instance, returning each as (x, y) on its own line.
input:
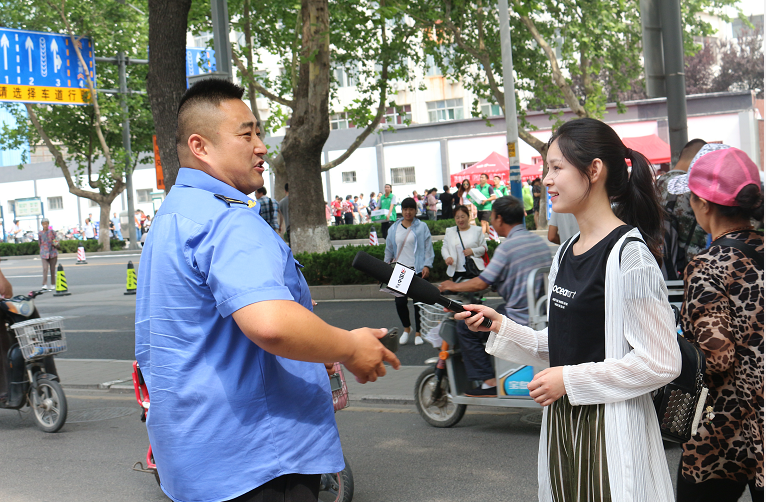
(230, 201)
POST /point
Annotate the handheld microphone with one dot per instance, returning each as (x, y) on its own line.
(420, 290)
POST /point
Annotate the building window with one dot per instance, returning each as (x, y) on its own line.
(432, 69)
(403, 176)
(144, 195)
(466, 165)
(343, 77)
(490, 109)
(448, 109)
(397, 115)
(55, 203)
(340, 121)
(349, 177)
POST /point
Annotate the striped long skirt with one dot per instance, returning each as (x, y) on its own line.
(577, 452)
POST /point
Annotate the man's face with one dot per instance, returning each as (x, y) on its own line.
(387, 188)
(498, 181)
(483, 179)
(234, 154)
(258, 195)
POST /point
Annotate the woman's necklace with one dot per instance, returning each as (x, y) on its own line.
(732, 230)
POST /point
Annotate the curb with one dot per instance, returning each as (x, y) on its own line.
(384, 400)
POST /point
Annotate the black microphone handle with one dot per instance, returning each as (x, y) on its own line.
(458, 307)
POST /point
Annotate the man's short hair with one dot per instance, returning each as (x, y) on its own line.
(196, 105)
(484, 174)
(691, 148)
(387, 185)
(509, 209)
(286, 185)
(261, 191)
(409, 203)
(498, 176)
(446, 188)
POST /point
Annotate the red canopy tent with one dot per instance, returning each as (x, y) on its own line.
(493, 165)
(653, 148)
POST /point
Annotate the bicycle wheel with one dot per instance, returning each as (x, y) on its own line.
(338, 486)
(49, 405)
(441, 413)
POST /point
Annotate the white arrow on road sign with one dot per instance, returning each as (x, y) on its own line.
(29, 46)
(56, 58)
(5, 44)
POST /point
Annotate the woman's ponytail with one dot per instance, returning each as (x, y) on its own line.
(633, 191)
(637, 202)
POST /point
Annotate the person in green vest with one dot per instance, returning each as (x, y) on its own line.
(388, 203)
(500, 189)
(485, 209)
(529, 205)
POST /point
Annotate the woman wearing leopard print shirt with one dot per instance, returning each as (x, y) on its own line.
(723, 313)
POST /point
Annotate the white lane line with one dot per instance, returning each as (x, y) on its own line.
(20, 276)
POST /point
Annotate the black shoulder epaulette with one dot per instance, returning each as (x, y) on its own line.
(230, 201)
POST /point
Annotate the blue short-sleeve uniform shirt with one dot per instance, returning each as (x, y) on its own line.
(225, 415)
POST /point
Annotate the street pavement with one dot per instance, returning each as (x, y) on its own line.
(395, 456)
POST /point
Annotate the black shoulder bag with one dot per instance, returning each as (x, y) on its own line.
(471, 269)
(680, 403)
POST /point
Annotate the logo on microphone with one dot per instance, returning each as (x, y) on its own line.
(401, 278)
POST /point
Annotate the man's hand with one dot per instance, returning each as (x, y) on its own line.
(368, 354)
(547, 386)
(446, 285)
(426, 272)
(330, 368)
(6, 290)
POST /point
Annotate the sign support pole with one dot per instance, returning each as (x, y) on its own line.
(511, 125)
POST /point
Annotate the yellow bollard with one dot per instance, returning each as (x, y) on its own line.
(61, 287)
(132, 280)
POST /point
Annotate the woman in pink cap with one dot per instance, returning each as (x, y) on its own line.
(723, 313)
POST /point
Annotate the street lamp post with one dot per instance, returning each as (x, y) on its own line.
(511, 124)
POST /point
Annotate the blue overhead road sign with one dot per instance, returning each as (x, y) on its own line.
(37, 67)
(199, 60)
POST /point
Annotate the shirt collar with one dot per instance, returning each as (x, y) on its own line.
(200, 179)
(517, 228)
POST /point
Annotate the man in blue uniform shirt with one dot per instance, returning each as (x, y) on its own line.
(225, 334)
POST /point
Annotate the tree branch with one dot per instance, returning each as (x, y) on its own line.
(93, 98)
(381, 109)
(60, 162)
(558, 77)
(258, 87)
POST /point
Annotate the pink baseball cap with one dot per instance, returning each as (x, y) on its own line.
(717, 174)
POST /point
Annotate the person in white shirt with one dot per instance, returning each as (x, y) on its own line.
(611, 337)
(117, 226)
(561, 227)
(88, 230)
(473, 245)
(16, 232)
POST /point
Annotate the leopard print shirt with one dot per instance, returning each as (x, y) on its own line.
(723, 313)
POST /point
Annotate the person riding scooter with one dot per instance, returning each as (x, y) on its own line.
(514, 259)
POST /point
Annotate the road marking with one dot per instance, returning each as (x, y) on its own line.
(99, 330)
(415, 412)
(20, 276)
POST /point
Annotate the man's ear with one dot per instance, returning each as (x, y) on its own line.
(198, 146)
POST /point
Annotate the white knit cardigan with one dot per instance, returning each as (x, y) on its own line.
(641, 355)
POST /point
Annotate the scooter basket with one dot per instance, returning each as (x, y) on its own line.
(431, 316)
(40, 337)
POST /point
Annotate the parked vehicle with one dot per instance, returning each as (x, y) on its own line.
(28, 374)
(440, 390)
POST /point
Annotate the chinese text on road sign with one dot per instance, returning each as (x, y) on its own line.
(38, 67)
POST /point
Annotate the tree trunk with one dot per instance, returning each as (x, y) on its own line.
(167, 76)
(308, 131)
(103, 225)
(280, 176)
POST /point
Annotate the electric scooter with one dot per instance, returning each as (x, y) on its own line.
(440, 390)
(28, 374)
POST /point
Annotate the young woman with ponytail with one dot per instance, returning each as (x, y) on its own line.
(610, 340)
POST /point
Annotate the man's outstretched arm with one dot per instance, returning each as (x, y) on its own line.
(287, 329)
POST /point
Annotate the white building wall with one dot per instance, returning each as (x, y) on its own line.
(364, 162)
(473, 150)
(424, 157)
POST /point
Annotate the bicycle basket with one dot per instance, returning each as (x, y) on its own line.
(40, 337)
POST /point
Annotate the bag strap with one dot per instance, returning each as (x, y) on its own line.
(403, 242)
(460, 237)
(625, 243)
(746, 249)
